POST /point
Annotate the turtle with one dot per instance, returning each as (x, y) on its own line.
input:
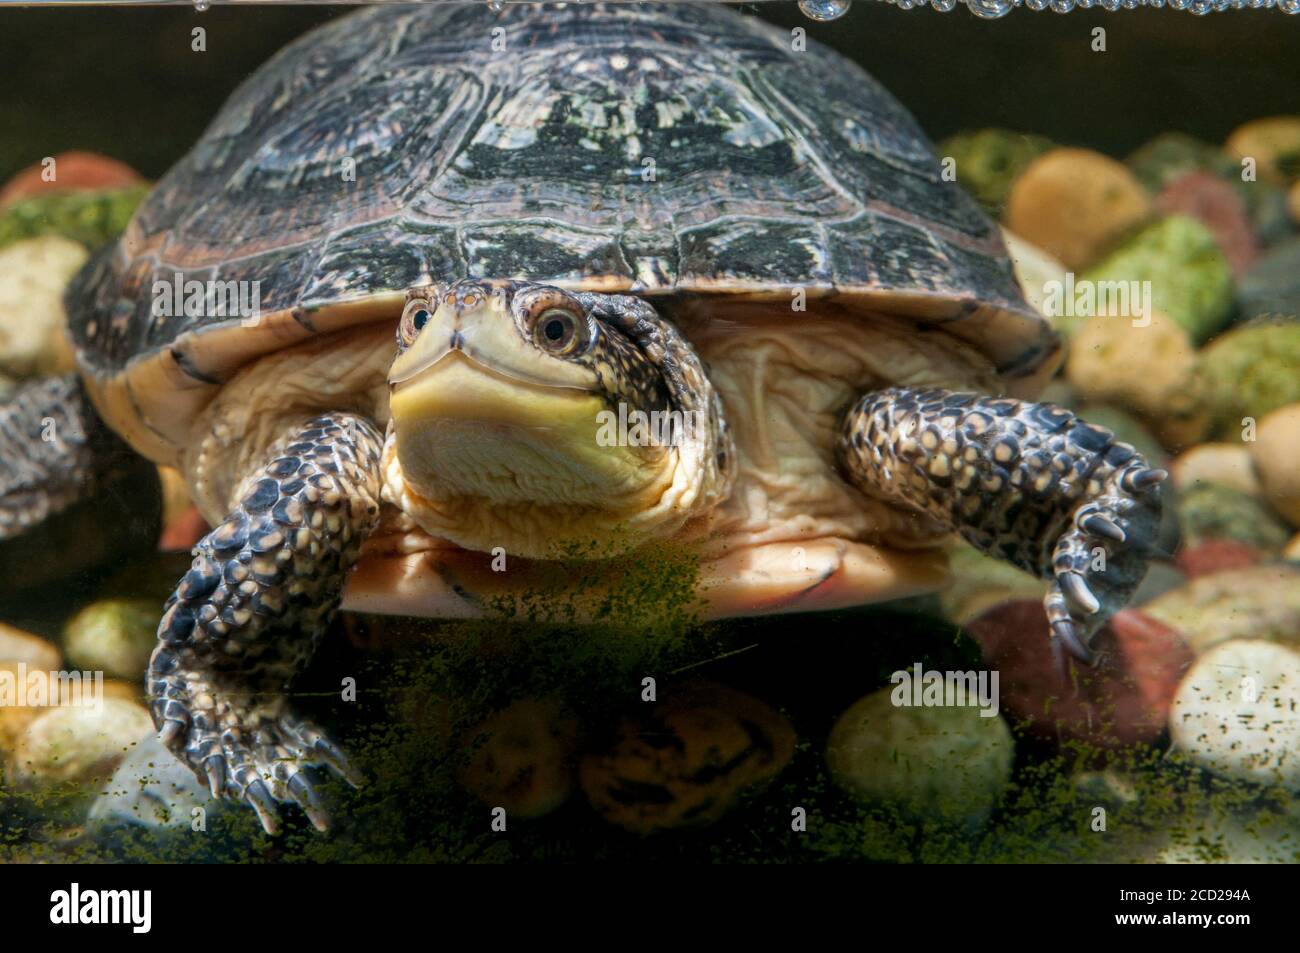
(441, 283)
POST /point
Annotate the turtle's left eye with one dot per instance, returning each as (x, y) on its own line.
(558, 331)
(420, 319)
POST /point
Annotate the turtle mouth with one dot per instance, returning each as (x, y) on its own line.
(485, 336)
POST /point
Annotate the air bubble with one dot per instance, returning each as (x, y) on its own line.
(201, 5)
(990, 9)
(944, 6)
(824, 9)
(496, 6)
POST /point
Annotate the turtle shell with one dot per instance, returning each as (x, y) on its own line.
(680, 149)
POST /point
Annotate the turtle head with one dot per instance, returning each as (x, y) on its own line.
(531, 418)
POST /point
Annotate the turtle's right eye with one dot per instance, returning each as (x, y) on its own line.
(414, 318)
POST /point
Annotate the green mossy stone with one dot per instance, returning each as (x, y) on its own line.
(115, 636)
(1213, 511)
(1190, 279)
(91, 218)
(989, 160)
(945, 763)
(1249, 371)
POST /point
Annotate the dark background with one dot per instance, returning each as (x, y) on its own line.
(124, 82)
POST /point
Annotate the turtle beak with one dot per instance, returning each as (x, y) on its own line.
(478, 410)
(478, 331)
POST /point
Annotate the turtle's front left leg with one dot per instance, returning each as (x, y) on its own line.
(1030, 483)
(247, 616)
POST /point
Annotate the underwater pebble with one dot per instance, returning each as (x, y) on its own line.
(89, 218)
(150, 788)
(1171, 155)
(685, 765)
(1190, 280)
(1226, 464)
(1216, 555)
(1292, 550)
(927, 762)
(1123, 700)
(1274, 144)
(1237, 712)
(1271, 288)
(1293, 202)
(33, 275)
(1262, 602)
(980, 582)
(1034, 269)
(988, 161)
(1209, 511)
(78, 744)
(19, 646)
(1075, 204)
(1220, 836)
(116, 636)
(1168, 394)
(1215, 204)
(1248, 372)
(1276, 454)
(522, 758)
(73, 171)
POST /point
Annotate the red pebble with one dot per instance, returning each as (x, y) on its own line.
(183, 532)
(1212, 201)
(1216, 555)
(1123, 700)
(74, 172)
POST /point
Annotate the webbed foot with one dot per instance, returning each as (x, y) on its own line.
(1030, 483)
(246, 618)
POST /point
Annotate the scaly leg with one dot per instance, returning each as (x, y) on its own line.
(247, 616)
(1030, 483)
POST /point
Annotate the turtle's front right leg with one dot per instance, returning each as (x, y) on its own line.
(246, 618)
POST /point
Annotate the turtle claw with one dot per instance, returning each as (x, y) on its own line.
(306, 797)
(1067, 635)
(1078, 593)
(1104, 527)
(259, 798)
(1139, 480)
(215, 771)
(270, 772)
